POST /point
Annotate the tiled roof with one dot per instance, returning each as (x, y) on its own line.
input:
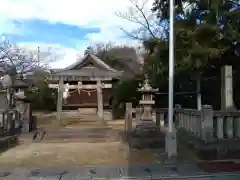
(104, 70)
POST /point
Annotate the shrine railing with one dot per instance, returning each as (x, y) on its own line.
(206, 124)
(209, 125)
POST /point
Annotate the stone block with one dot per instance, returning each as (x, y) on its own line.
(207, 123)
(87, 110)
(107, 114)
(146, 136)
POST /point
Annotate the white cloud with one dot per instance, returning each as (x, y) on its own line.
(83, 13)
(59, 55)
(90, 13)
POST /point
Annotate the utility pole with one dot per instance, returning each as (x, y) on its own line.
(171, 68)
(171, 143)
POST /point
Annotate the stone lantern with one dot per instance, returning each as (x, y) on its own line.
(146, 134)
(147, 101)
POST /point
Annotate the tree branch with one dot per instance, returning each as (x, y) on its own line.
(21, 60)
(145, 24)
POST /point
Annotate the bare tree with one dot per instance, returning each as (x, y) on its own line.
(21, 61)
(148, 26)
(121, 57)
(102, 49)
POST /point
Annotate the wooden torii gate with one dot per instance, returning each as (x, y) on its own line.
(65, 87)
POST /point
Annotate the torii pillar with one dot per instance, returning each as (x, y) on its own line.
(59, 100)
(100, 103)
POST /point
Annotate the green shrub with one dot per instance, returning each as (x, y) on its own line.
(125, 91)
(43, 98)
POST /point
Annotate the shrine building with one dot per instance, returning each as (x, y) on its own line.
(87, 83)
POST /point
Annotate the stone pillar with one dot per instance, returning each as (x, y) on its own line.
(59, 100)
(237, 126)
(128, 118)
(177, 114)
(138, 115)
(199, 95)
(229, 125)
(100, 102)
(162, 122)
(3, 100)
(26, 115)
(226, 88)
(199, 126)
(207, 123)
(220, 127)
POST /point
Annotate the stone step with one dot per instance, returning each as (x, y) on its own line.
(87, 110)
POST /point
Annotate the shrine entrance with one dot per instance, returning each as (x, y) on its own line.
(88, 97)
(84, 84)
(79, 98)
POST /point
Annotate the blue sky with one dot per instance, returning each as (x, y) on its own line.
(43, 31)
(67, 26)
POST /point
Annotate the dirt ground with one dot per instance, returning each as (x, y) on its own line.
(75, 152)
(70, 155)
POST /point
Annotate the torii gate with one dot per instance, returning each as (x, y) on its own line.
(63, 91)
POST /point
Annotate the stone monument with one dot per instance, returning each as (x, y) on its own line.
(227, 103)
(147, 134)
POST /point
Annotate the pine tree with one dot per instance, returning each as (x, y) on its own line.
(204, 32)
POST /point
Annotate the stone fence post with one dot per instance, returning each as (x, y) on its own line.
(138, 115)
(177, 115)
(207, 123)
(128, 117)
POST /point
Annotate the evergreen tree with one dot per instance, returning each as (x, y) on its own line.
(205, 33)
